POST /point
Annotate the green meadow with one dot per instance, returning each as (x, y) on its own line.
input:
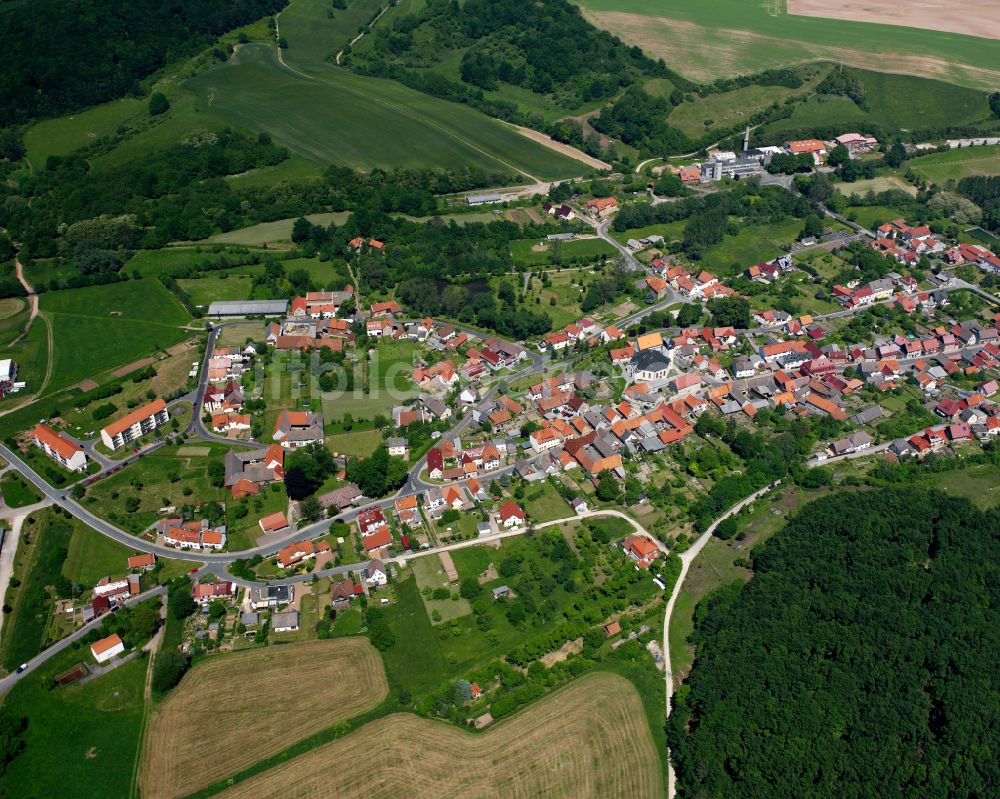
(98, 328)
(280, 230)
(316, 31)
(957, 164)
(725, 109)
(92, 731)
(63, 135)
(891, 102)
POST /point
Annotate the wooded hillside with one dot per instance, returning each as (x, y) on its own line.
(861, 660)
(64, 55)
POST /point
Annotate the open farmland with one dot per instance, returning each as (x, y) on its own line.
(972, 17)
(257, 704)
(958, 164)
(705, 41)
(588, 739)
(102, 327)
(337, 117)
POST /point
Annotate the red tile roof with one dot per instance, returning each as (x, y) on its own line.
(137, 415)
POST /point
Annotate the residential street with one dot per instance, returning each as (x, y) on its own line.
(10, 680)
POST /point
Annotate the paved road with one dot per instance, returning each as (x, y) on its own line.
(10, 680)
(686, 559)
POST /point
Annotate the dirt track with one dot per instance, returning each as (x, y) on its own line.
(590, 739)
(972, 17)
(559, 147)
(233, 710)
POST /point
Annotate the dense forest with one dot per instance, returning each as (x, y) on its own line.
(984, 191)
(546, 48)
(860, 661)
(63, 56)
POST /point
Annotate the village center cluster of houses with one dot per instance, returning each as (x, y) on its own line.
(579, 424)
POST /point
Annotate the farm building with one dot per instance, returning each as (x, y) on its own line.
(221, 308)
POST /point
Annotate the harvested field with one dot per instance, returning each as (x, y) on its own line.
(877, 185)
(587, 739)
(135, 366)
(11, 306)
(177, 349)
(971, 17)
(713, 52)
(234, 710)
(565, 149)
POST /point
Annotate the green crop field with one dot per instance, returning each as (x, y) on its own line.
(334, 116)
(890, 98)
(957, 164)
(207, 289)
(93, 731)
(705, 41)
(100, 327)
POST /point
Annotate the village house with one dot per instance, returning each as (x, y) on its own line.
(274, 523)
(370, 520)
(375, 574)
(297, 552)
(205, 593)
(143, 562)
(601, 208)
(295, 429)
(641, 549)
(511, 515)
(196, 534)
(263, 597)
(246, 471)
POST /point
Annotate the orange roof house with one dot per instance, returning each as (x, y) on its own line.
(273, 522)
